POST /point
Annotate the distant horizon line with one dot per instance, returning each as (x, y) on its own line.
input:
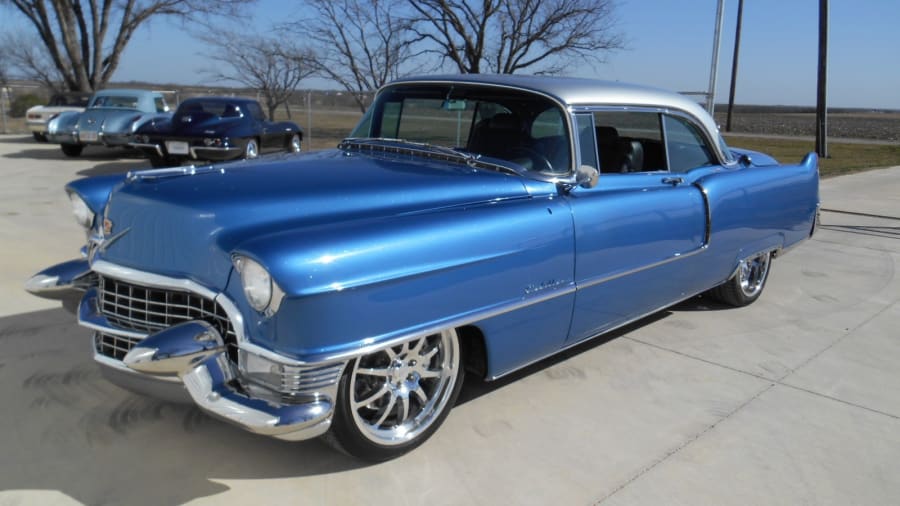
(719, 107)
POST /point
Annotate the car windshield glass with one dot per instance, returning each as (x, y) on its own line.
(523, 128)
(117, 101)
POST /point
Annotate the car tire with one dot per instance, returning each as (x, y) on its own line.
(251, 149)
(392, 400)
(747, 283)
(294, 144)
(71, 150)
(39, 137)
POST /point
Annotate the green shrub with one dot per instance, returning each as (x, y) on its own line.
(22, 103)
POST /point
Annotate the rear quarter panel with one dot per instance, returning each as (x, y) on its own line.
(758, 208)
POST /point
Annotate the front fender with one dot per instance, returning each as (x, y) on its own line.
(367, 282)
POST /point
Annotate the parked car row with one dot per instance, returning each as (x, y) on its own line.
(200, 129)
(469, 225)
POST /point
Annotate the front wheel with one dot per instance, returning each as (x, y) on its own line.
(71, 150)
(392, 400)
(39, 136)
(746, 285)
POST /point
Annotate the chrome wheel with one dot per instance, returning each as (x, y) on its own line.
(294, 145)
(252, 149)
(397, 393)
(752, 274)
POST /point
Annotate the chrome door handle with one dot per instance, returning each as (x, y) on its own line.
(674, 181)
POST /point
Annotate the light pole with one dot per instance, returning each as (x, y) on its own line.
(713, 70)
(734, 63)
(821, 98)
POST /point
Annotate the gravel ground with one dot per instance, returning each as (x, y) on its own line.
(876, 126)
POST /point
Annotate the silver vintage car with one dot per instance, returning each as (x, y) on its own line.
(110, 119)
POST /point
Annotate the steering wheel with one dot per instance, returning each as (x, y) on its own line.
(535, 160)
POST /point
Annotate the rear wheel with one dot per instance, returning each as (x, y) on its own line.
(294, 144)
(251, 150)
(392, 400)
(746, 285)
(71, 149)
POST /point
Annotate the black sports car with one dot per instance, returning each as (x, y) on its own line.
(215, 128)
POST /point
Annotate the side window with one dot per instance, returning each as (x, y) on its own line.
(629, 141)
(256, 111)
(160, 104)
(686, 147)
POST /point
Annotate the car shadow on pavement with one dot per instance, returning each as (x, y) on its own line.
(65, 428)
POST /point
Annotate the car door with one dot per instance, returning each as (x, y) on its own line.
(641, 231)
(267, 137)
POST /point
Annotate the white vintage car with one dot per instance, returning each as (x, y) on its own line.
(38, 116)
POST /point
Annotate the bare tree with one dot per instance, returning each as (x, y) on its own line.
(26, 56)
(359, 44)
(85, 39)
(508, 36)
(272, 66)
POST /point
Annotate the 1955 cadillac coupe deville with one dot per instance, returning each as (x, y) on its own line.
(470, 224)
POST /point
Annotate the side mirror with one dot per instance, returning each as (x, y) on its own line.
(587, 176)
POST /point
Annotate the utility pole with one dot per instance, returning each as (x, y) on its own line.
(713, 69)
(821, 99)
(734, 63)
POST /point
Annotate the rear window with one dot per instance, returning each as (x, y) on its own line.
(117, 101)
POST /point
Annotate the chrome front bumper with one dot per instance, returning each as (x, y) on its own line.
(191, 356)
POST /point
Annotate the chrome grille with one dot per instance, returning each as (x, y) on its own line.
(291, 383)
(147, 309)
(113, 346)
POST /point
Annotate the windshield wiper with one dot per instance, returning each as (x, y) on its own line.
(470, 159)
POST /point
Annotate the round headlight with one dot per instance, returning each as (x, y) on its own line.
(83, 214)
(256, 281)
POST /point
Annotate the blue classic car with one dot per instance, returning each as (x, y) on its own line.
(110, 119)
(471, 225)
(215, 128)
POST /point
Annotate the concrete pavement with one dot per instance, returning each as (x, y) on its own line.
(792, 400)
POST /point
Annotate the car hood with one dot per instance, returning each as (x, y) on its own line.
(186, 226)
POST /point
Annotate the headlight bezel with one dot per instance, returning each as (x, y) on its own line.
(82, 212)
(260, 290)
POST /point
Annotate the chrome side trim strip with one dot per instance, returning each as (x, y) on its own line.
(434, 328)
(603, 279)
(605, 331)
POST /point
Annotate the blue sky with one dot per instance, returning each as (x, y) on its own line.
(669, 44)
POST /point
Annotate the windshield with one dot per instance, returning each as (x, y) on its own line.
(516, 126)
